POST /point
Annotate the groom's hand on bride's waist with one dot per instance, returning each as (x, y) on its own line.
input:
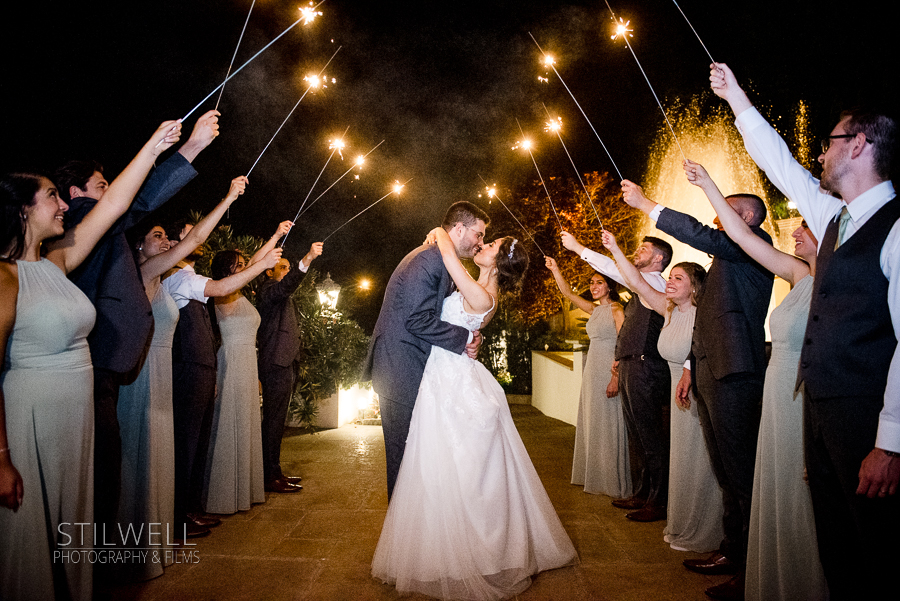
(472, 347)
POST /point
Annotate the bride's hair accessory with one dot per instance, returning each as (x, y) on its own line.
(511, 248)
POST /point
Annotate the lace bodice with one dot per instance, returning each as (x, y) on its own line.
(454, 312)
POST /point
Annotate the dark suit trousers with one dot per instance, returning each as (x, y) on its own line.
(729, 411)
(645, 388)
(859, 538)
(107, 447)
(395, 420)
(193, 403)
(277, 388)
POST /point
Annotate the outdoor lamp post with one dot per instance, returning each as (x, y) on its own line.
(328, 292)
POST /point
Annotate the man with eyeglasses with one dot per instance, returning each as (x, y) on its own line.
(847, 366)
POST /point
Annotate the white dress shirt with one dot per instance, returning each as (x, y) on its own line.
(608, 267)
(819, 209)
(186, 285)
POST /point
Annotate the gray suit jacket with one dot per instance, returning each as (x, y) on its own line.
(731, 312)
(110, 277)
(409, 324)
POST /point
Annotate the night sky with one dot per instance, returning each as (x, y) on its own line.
(442, 83)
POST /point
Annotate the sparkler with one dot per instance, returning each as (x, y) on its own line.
(397, 187)
(554, 127)
(492, 193)
(549, 62)
(358, 163)
(233, 56)
(292, 111)
(304, 18)
(694, 30)
(526, 144)
(622, 30)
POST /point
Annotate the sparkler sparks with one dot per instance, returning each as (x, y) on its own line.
(291, 113)
(550, 62)
(309, 13)
(338, 145)
(555, 126)
(525, 143)
(492, 193)
(395, 189)
(622, 29)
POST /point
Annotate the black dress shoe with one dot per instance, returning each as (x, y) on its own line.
(713, 565)
(292, 479)
(629, 503)
(733, 590)
(648, 513)
(282, 486)
(203, 520)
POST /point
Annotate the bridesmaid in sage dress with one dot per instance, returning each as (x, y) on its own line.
(600, 461)
(145, 407)
(46, 403)
(694, 510)
(234, 476)
(782, 555)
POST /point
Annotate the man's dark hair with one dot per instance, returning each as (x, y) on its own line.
(751, 202)
(465, 213)
(173, 230)
(880, 130)
(663, 248)
(75, 173)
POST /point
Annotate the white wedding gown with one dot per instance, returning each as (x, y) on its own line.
(469, 517)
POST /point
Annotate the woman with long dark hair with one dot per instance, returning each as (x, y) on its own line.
(46, 404)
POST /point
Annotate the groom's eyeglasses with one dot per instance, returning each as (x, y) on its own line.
(479, 235)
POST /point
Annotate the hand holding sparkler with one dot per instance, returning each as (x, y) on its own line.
(570, 243)
(272, 257)
(238, 185)
(283, 228)
(696, 174)
(609, 241)
(725, 86)
(206, 129)
(550, 263)
(165, 137)
(633, 195)
(315, 250)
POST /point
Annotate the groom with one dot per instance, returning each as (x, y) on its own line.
(410, 323)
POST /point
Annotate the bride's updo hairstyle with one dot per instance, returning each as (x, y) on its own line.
(511, 263)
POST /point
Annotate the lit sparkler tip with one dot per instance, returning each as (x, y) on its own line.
(313, 80)
(622, 30)
(553, 125)
(524, 144)
(397, 187)
(549, 61)
(360, 160)
(309, 13)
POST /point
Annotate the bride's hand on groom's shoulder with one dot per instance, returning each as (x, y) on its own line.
(431, 238)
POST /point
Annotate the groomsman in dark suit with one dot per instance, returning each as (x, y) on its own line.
(278, 339)
(728, 362)
(110, 278)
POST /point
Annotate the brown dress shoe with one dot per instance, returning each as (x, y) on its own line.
(713, 565)
(292, 479)
(648, 513)
(282, 486)
(733, 590)
(629, 503)
(191, 530)
(203, 520)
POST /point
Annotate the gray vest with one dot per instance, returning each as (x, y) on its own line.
(640, 332)
(850, 339)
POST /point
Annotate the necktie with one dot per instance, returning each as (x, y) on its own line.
(842, 228)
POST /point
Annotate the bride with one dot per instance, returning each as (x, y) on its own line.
(469, 517)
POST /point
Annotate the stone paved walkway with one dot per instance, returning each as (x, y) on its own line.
(318, 544)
